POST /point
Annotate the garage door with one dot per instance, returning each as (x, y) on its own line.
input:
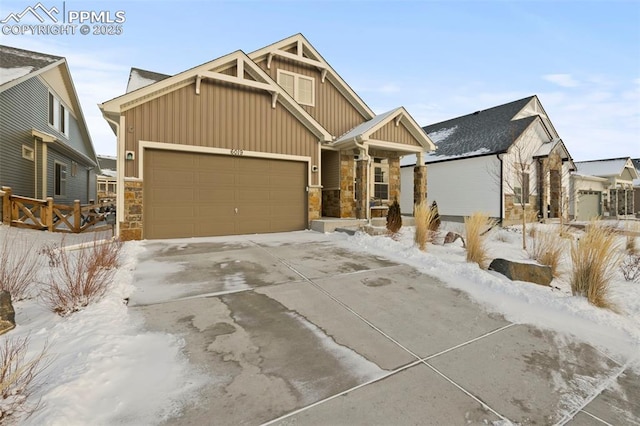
(588, 205)
(194, 195)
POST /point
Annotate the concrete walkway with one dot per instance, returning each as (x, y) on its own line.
(295, 330)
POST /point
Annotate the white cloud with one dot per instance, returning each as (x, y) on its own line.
(563, 80)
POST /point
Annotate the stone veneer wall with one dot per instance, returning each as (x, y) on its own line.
(315, 204)
(419, 184)
(513, 212)
(347, 194)
(131, 224)
(331, 202)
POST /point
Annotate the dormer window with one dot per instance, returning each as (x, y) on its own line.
(58, 115)
(300, 87)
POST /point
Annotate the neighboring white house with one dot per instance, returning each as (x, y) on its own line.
(493, 160)
(603, 188)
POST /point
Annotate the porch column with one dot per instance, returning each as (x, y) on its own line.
(362, 180)
(419, 180)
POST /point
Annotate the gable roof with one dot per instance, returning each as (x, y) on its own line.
(363, 131)
(636, 164)
(606, 167)
(111, 109)
(139, 78)
(309, 55)
(16, 65)
(32, 64)
(490, 131)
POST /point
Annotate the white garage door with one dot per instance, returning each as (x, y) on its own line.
(588, 205)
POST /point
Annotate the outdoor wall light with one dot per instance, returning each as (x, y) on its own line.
(314, 168)
(130, 156)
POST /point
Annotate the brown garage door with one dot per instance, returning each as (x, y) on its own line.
(195, 195)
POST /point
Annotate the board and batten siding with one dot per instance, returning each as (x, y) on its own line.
(330, 169)
(332, 110)
(222, 116)
(23, 107)
(462, 187)
(392, 133)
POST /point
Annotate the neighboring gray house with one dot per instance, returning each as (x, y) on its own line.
(492, 161)
(107, 179)
(45, 147)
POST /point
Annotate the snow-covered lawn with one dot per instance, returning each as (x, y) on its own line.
(106, 369)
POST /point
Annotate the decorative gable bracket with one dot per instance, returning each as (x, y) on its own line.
(237, 79)
(298, 58)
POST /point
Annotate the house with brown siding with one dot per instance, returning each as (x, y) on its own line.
(250, 143)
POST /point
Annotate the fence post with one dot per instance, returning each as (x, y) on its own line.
(77, 224)
(6, 205)
(49, 214)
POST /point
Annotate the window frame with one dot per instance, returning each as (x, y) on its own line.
(59, 181)
(58, 115)
(519, 192)
(296, 86)
(383, 165)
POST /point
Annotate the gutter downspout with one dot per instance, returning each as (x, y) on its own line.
(365, 149)
(501, 187)
(119, 175)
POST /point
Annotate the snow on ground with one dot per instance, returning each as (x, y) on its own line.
(520, 302)
(106, 369)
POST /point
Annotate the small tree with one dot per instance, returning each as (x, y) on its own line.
(394, 218)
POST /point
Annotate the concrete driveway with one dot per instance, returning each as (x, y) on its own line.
(294, 329)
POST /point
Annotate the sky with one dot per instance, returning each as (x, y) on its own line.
(438, 59)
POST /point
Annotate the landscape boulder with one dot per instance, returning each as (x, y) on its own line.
(517, 271)
(7, 314)
(451, 237)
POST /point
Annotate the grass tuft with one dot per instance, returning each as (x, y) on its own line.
(19, 378)
(547, 248)
(476, 227)
(82, 277)
(594, 258)
(427, 223)
(18, 266)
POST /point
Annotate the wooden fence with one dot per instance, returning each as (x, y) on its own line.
(24, 212)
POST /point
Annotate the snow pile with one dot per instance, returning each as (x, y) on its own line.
(104, 369)
(9, 74)
(442, 134)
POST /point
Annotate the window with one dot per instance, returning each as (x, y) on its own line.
(58, 115)
(381, 178)
(28, 153)
(521, 191)
(60, 179)
(300, 87)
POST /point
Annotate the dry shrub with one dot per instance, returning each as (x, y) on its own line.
(18, 266)
(594, 258)
(547, 248)
(631, 245)
(630, 267)
(426, 226)
(476, 227)
(394, 218)
(82, 277)
(19, 378)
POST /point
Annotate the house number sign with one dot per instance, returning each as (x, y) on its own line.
(237, 152)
